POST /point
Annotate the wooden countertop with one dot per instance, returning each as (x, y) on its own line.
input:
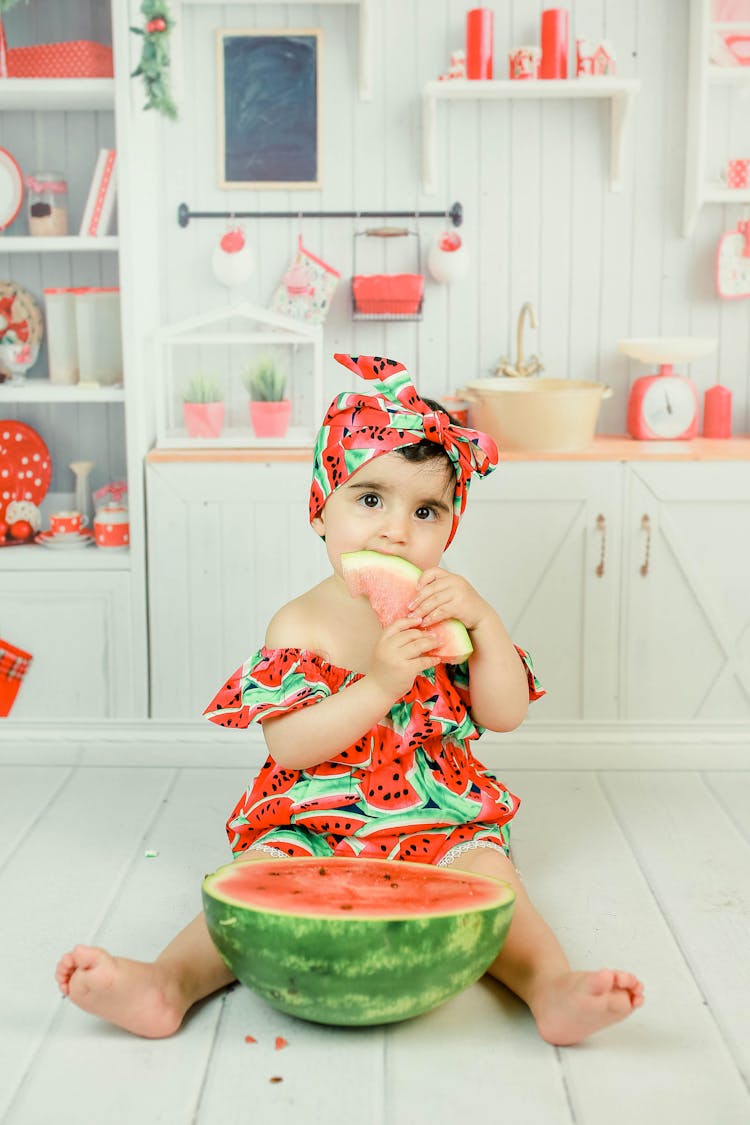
(606, 447)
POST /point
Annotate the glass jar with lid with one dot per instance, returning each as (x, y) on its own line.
(48, 204)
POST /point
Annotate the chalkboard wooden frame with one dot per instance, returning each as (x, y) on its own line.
(268, 101)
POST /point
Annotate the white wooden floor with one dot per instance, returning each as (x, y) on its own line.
(648, 871)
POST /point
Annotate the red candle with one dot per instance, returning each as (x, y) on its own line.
(554, 43)
(717, 412)
(479, 43)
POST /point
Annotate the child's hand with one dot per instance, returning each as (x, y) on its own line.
(399, 656)
(441, 595)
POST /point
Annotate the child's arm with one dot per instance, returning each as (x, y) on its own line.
(498, 683)
(314, 734)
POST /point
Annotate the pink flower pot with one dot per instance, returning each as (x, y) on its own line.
(270, 419)
(203, 419)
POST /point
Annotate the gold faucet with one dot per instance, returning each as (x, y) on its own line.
(521, 370)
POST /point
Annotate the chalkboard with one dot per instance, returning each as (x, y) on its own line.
(268, 109)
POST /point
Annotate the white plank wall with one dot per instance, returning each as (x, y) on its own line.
(541, 222)
(612, 858)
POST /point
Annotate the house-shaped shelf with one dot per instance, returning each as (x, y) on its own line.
(220, 347)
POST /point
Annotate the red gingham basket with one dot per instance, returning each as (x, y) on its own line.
(14, 663)
(79, 58)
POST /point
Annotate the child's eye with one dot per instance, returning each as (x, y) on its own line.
(369, 499)
(425, 513)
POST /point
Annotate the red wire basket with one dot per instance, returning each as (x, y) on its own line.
(387, 296)
(14, 663)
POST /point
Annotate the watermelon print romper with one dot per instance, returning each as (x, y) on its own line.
(408, 789)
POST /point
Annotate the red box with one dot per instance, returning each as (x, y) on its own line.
(379, 294)
(13, 665)
(79, 58)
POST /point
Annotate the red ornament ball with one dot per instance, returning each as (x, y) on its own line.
(21, 529)
(3, 529)
(156, 24)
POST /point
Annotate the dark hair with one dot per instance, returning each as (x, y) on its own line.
(426, 450)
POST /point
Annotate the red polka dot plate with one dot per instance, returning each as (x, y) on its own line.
(25, 464)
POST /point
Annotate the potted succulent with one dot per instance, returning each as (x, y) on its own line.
(203, 407)
(269, 410)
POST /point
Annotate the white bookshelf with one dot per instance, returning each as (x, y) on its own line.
(41, 390)
(619, 91)
(703, 77)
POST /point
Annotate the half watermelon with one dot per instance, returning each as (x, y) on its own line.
(389, 583)
(355, 941)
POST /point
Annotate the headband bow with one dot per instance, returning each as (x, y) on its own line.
(358, 427)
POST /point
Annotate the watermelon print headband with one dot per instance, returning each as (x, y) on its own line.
(359, 427)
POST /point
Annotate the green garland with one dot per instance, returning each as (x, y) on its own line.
(154, 64)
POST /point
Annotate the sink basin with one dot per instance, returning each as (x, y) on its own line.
(546, 415)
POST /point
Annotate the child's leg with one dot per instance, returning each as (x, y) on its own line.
(147, 998)
(567, 1006)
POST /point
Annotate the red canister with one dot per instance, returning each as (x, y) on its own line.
(479, 42)
(554, 43)
(717, 412)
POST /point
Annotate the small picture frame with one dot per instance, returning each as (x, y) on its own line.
(269, 108)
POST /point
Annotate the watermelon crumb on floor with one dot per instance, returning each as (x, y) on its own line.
(250, 1039)
(281, 1042)
(276, 1078)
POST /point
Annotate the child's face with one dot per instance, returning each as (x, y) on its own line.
(394, 506)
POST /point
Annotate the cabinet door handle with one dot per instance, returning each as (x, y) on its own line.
(646, 526)
(601, 525)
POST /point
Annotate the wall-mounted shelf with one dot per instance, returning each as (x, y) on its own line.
(56, 93)
(620, 91)
(30, 556)
(70, 244)
(365, 54)
(703, 77)
(41, 390)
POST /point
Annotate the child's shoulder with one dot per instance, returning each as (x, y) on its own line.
(297, 624)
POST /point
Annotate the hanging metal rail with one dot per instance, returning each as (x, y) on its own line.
(454, 213)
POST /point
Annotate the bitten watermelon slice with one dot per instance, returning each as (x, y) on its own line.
(355, 941)
(389, 583)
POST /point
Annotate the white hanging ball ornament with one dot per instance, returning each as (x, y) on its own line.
(448, 258)
(232, 260)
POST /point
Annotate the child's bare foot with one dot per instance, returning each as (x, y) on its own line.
(135, 995)
(570, 1007)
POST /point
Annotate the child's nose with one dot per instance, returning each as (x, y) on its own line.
(395, 527)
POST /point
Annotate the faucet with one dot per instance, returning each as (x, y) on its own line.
(521, 369)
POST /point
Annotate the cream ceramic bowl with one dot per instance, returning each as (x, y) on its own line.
(546, 415)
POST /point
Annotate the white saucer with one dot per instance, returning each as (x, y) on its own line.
(66, 542)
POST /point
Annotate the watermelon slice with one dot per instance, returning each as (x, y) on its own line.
(389, 583)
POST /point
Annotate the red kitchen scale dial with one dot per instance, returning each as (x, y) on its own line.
(664, 406)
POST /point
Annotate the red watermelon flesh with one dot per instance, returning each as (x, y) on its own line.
(389, 583)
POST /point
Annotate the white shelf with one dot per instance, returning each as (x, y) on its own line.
(717, 193)
(32, 556)
(620, 91)
(56, 93)
(71, 244)
(296, 437)
(41, 390)
(729, 75)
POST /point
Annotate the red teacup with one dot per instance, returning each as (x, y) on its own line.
(67, 523)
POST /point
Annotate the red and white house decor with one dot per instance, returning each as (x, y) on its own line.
(733, 262)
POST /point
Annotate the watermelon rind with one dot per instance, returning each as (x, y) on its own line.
(454, 644)
(355, 971)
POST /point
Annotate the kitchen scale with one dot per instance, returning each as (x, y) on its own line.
(664, 405)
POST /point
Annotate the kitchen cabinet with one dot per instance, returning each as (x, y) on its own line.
(685, 643)
(558, 547)
(78, 626)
